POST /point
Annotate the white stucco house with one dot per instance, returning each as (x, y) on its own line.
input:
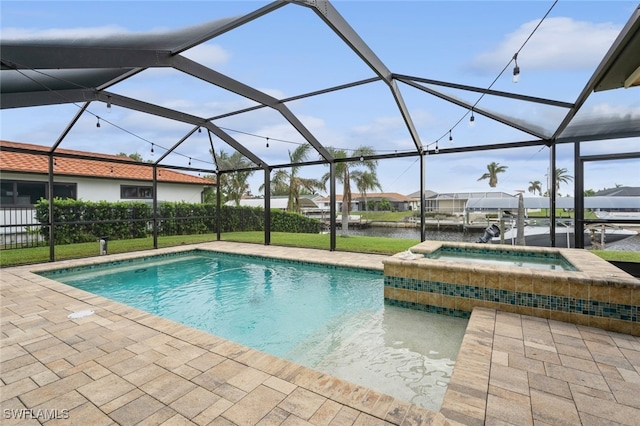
(24, 180)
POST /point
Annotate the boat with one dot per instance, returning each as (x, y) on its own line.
(603, 214)
(537, 233)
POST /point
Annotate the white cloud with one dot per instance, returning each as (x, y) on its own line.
(210, 55)
(60, 33)
(558, 44)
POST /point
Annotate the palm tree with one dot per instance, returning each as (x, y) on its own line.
(492, 173)
(562, 177)
(535, 186)
(293, 184)
(343, 172)
(365, 180)
(233, 184)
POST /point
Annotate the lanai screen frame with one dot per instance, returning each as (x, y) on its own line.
(114, 59)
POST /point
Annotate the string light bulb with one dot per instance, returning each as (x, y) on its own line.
(472, 120)
(189, 160)
(437, 150)
(361, 158)
(199, 129)
(152, 149)
(267, 142)
(450, 136)
(516, 69)
(98, 122)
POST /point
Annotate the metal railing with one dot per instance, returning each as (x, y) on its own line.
(19, 228)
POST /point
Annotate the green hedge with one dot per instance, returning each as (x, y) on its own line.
(83, 221)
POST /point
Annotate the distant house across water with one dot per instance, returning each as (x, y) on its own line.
(451, 202)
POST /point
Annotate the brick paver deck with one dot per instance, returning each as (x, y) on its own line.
(125, 366)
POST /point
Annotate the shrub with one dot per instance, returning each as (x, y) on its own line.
(78, 221)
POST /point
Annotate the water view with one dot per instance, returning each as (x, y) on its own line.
(470, 236)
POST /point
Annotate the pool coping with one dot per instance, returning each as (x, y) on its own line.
(86, 370)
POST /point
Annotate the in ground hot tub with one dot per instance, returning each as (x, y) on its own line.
(571, 285)
(550, 261)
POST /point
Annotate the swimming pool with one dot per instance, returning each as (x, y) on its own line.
(330, 318)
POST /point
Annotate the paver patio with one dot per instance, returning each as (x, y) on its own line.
(125, 366)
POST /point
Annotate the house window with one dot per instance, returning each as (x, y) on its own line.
(128, 191)
(26, 193)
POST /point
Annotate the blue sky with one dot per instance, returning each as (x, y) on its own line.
(291, 51)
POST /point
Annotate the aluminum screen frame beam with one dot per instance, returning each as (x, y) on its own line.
(230, 26)
(171, 114)
(332, 18)
(480, 111)
(207, 74)
(491, 92)
(599, 73)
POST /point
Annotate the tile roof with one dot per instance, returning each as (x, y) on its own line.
(101, 167)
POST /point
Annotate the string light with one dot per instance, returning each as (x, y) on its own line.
(450, 136)
(152, 149)
(437, 150)
(267, 142)
(199, 129)
(516, 69)
(472, 120)
(98, 124)
(361, 158)
(189, 160)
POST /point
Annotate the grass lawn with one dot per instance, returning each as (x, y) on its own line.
(360, 244)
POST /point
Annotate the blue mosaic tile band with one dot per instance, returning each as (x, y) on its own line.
(530, 300)
(428, 308)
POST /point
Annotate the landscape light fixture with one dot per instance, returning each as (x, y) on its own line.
(516, 69)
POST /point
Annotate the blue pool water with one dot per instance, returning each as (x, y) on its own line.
(535, 260)
(331, 319)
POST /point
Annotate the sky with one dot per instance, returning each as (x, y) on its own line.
(291, 51)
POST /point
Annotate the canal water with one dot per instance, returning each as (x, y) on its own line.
(414, 233)
(470, 236)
